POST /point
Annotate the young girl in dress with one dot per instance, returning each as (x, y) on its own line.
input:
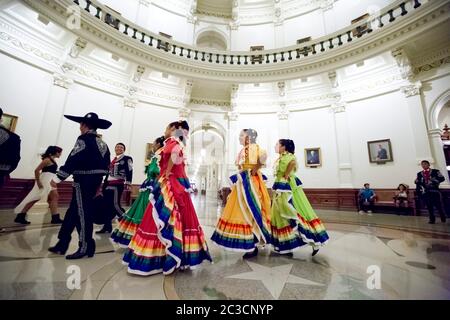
(44, 173)
(128, 224)
(245, 220)
(170, 236)
(294, 222)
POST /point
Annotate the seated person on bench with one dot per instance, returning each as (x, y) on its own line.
(366, 199)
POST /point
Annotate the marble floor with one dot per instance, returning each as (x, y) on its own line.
(381, 256)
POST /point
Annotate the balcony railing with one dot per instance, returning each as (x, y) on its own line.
(364, 28)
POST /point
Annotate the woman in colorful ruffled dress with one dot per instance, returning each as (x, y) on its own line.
(129, 223)
(294, 222)
(169, 236)
(245, 220)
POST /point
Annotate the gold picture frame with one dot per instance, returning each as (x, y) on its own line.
(9, 122)
(313, 157)
(380, 151)
(149, 153)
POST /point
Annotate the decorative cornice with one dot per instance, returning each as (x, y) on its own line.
(214, 14)
(30, 49)
(210, 102)
(432, 65)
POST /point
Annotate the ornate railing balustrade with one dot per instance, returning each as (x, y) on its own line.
(364, 28)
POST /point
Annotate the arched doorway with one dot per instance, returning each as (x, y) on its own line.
(207, 158)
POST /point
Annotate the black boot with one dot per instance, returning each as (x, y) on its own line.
(107, 228)
(20, 218)
(252, 254)
(89, 252)
(314, 252)
(60, 248)
(56, 219)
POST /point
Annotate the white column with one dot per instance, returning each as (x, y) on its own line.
(278, 24)
(439, 159)
(343, 145)
(283, 122)
(127, 122)
(329, 21)
(232, 143)
(54, 112)
(143, 13)
(417, 121)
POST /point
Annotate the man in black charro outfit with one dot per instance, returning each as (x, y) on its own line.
(119, 178)
(88, 163)
(427, 188)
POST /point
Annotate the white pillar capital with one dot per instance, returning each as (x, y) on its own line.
(184, 113)
(129, 102)
(233, 115)
(338, 107)
(62, 81)
(79, 45)
(412, 89)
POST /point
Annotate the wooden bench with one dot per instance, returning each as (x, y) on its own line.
(384, 200)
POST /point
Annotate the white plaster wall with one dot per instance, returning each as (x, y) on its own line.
(382, 117)
(257, 35)
(23, 92)
(315, 129)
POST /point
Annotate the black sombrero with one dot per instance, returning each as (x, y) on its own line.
(92, 119)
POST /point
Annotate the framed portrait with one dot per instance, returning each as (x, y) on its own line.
(313, 157)
(149, 153)
(380, 151)
(9, 122)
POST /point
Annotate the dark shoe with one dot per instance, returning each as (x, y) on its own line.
(60, 248)
(90, 251)
(252, 254)
(20, 218)
(443, 220)
(105, 229)
(314, 252)
(56, 219)
(288, 254)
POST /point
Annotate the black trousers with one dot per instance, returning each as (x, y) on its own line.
(112, 195)
(433, 199)
(80, 212)
(366, 206)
